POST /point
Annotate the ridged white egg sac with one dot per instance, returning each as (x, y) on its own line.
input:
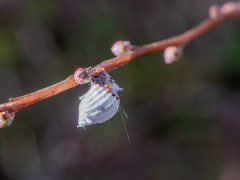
(101, 102)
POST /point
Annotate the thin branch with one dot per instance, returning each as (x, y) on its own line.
(19, 103)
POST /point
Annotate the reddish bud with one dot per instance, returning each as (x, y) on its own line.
(121, 47)
(228, 7)
(6, 118)
(81, 76)
(172, 53)
(214, 12)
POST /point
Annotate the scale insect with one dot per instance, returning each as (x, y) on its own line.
(101, 102)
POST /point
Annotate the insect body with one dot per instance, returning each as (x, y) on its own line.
(101, 102)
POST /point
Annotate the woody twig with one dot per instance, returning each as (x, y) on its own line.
(127, 53)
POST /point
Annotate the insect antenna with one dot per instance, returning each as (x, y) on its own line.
(120, 108)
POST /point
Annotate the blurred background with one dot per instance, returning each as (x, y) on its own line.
(183, 119)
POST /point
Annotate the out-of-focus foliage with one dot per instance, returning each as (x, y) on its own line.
(183, 119)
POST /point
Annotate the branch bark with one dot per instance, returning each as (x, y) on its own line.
(19, 103)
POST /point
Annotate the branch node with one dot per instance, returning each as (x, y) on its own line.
(228, 7)
(6, 118)
(172, 54)
(215, 12)
(81, 75)
(121, 47)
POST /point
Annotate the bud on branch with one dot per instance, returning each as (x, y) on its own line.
(125, 53)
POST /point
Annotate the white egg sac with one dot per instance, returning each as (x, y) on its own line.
(101, 102)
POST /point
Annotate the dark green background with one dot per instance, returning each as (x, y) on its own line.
(183, 119)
